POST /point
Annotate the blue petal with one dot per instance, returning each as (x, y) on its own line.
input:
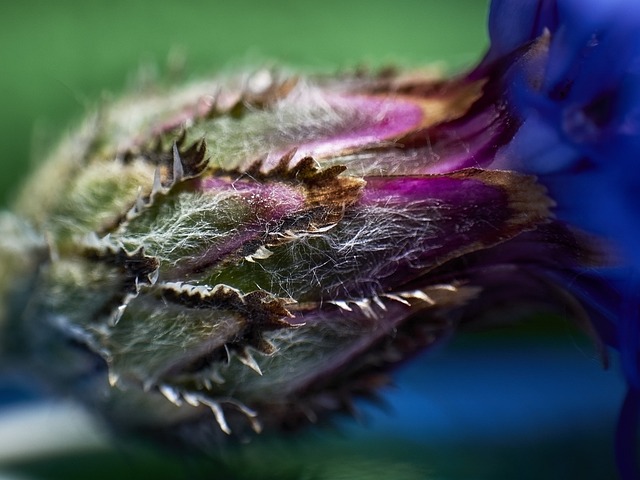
(513, 23)
(580, 108)
(574, 84)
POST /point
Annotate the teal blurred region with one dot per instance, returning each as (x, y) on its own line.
(484, 407)
(59, 59)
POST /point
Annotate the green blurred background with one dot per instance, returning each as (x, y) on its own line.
(59, 58)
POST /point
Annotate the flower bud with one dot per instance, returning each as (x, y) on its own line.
(256, 252)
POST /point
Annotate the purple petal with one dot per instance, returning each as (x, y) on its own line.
(385, 119)
(470, 210)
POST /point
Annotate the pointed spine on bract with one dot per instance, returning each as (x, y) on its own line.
(173, 168)
(327, 192)
(260, 313)
(215, 405)
(136, 270)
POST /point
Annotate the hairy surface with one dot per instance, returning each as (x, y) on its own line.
(255, 252)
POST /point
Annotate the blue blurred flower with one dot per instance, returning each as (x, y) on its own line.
(573, 81)
(580, 101)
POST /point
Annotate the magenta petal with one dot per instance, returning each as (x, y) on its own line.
(381, 120)
(455, 214)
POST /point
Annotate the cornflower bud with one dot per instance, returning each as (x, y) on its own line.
(255, 252)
